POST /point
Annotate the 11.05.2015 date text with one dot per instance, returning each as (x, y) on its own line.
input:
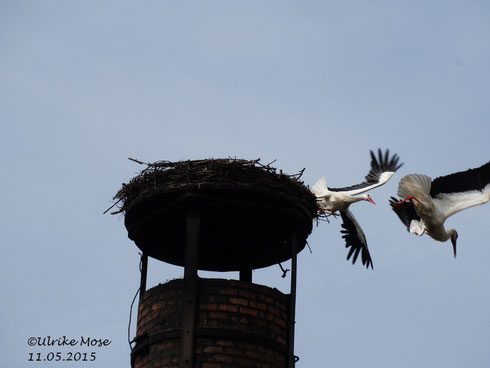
(62, 357)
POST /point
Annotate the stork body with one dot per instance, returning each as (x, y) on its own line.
(339, 199)
(332, 201)
(427, 203)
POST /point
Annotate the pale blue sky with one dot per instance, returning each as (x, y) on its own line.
(315, 85)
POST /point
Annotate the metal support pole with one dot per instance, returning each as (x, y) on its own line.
(144, 272)
(292, 299)
(246, 275)
(190, 288)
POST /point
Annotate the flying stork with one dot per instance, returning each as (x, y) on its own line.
(339, 199)
(427, 203)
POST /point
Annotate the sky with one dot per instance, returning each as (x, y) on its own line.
(311, 84)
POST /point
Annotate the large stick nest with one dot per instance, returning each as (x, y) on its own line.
(165, 176)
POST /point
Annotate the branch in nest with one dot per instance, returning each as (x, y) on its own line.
(300, 173)
(140, 162)
(118, 211)
(296, 176)
(112, 213)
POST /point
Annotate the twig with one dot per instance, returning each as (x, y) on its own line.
(107, 210)
(285, 271)
(296, 176)
(140, 162)
(300, 173)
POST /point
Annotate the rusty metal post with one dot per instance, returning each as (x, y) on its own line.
(190, 288)
(292, 300)
(144, 272)
(246, 275)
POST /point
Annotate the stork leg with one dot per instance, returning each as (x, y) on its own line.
(407, 198)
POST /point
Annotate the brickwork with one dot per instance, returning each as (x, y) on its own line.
(238, 324)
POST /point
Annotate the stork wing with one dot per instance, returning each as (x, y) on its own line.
(450, 203)
(382, 169)
(408, 215)
(320, 187)
(456, 192)
(472, 179)
(355, 238)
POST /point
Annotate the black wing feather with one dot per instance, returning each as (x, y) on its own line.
(353, 240)
(472, 179)
(378, 167)
(405, 211)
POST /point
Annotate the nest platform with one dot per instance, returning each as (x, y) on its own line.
(248, 212)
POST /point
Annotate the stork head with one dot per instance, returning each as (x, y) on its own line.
(367, 197)
(453, 235)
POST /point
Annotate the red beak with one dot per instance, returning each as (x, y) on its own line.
(370, 200)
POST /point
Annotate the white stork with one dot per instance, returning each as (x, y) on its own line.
(339, 199)
(428, 203)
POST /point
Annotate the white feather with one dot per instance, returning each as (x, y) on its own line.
(450, 203)
(320, 187)
(414, 183)
(417, 227)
